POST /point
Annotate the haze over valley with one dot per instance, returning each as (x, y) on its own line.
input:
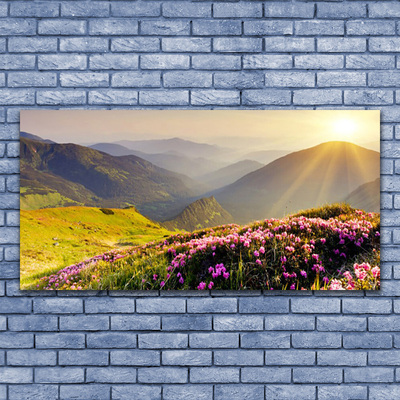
(101, 187)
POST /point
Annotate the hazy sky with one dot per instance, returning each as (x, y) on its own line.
(253, 129)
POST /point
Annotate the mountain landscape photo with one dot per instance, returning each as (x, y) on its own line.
(141, 200)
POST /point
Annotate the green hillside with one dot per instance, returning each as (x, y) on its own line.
(203, 213)
(84, 176)
(54, 238)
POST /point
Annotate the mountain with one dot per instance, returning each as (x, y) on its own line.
(89, 177)
(173, 161)
(175, 146)
(115, 149)
(203, 213)
(366, 197)
(27, 135)
(265, 156)
(229, 174)
(308, 178)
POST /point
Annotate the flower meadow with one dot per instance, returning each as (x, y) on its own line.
(335, 247)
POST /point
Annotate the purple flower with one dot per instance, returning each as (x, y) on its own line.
(202, 286)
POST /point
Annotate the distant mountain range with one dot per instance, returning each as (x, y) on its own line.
(229, 174)
(175, 146)
(81, 175)
(308, 178)
(113, 175)
(203, 213)
(173, 161)
(264, 156)
(366, 196)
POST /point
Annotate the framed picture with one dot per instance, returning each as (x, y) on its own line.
(200, 200)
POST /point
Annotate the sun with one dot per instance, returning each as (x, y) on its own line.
(344, 128)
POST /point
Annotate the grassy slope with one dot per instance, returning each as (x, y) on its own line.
(80, 232)
(145, 267)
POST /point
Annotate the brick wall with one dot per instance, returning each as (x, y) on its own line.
(198, 55)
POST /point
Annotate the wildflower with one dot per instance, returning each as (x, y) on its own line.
(262, 250)
(202, 286)
(336, 285)
(210, 285)
(155, 277)
(376, 272)
(181, 280)
(292, 287)
(162, 283)
(303, 273)
(256, 253)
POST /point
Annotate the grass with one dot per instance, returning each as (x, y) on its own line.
(54, 238)
(309, 250)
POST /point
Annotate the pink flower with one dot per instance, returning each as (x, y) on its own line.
(258, 262)
(256, 253)
(210, 285)
(360, 274)
(376, 272)
(303, 273)
(181, 280)
(292, 287)
(202, 286)
(323, 241)
(262, 250)
(336, 285)
(162, 283)
(155, 277)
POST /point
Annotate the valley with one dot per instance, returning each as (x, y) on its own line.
(83, 201)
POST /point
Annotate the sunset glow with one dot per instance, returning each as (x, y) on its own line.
(250, 129)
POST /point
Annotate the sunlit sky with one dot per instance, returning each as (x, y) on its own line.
(252, 129)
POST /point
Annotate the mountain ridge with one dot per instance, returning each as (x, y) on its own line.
(203, 213)
(303, 179)
(109, 181)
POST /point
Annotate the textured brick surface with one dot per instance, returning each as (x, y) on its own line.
(200, 54)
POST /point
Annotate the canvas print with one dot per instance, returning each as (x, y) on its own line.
(200, 200)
